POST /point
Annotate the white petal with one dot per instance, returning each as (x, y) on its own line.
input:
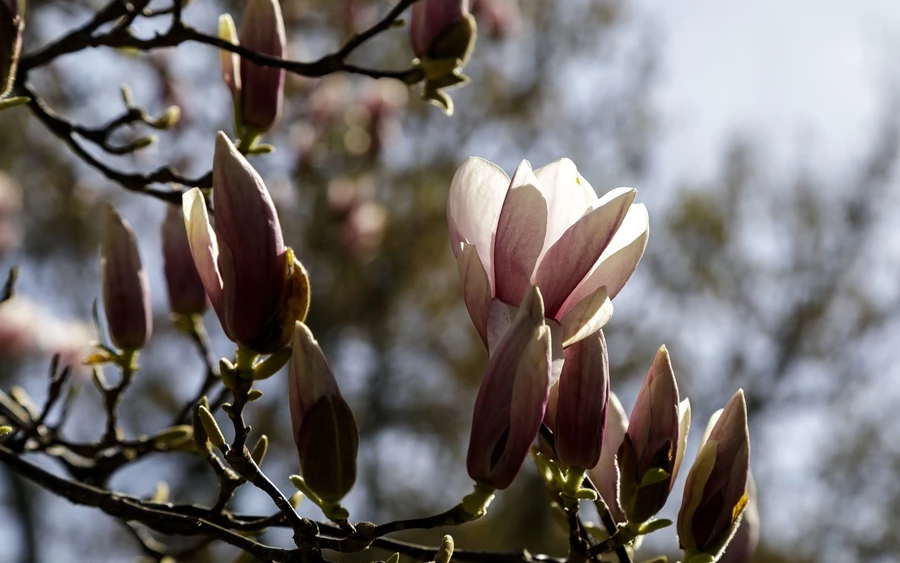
(473, 206)
(618, 261)
(569, 196)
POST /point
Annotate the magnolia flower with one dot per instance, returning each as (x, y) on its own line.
(512, 398)
(126, 290)
(546, 228)
(715, 493)
(251, 278)
(651, 452)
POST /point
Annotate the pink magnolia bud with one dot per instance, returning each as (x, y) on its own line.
(605, 475)
(254, 284)
(186, 293)
(512, 397)
(324, 427)
(432, 21)
(582, 401)
(126, 291)
(11, 25)
(651, 452)
(715, 493)
(262, 88)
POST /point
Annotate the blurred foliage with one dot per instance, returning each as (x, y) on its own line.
(782, 283)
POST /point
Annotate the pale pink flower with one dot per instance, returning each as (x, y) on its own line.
(546, 228)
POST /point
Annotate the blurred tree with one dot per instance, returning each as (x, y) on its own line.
(782, 286)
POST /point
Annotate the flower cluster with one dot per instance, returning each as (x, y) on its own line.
(540, 258)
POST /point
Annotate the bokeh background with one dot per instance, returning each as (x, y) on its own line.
(762, 136)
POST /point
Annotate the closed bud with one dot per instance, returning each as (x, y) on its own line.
(715, 493)
(582, 399)
(605, 475)
(186, 293)
(441, 29)
(168, 119)
(126, 291)
(445, 552)
(651, 452)
(256, 286)
(11, 25)
(211, 427)
(324, 427)
(262, 88)
(512, 397)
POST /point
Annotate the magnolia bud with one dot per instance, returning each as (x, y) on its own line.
(126, 293)
(715, 493)
(186, 293)
(582, 402)
(324, 427)
(11, 25)
(433, 29)
(512, 397)
(255, 285)
(262, 88)
(651, 451)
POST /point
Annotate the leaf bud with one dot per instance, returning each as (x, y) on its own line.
(213, 432)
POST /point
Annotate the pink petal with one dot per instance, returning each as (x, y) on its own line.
(583, 401)
(473, 207)
(587, 317)
(204, 247)
(500, 316)
(476, 288)
(520, 236)
(569, 197)
(618, 261)
(578, 249)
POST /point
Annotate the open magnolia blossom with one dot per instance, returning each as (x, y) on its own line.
(546, 228)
